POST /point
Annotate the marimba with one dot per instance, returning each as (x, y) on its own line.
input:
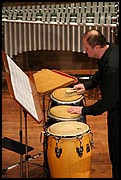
(56, 26)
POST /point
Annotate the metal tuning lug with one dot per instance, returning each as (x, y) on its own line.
(58, 152)
(80, 151)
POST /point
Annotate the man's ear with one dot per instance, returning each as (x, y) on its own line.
(97, 47)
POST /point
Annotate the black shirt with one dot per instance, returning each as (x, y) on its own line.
(107, 78)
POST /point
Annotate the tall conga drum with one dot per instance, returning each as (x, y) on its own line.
(59, 114)
(58, 97)
(69, 150)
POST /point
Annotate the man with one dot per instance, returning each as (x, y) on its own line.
(107, 78)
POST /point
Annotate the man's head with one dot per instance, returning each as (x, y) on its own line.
(93, 42)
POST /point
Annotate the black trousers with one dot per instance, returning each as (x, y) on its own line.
(113, 141)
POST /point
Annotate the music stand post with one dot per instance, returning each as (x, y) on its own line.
(21, 135)
(26, 142)
(13, 77)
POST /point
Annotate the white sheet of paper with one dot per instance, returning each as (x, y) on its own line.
(21, 87)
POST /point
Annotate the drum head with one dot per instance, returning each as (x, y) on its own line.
(68, 128)
(61, 112)
(59, 94)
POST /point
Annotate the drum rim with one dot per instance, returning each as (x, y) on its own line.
(68, 136)
(63, 119)
(67, 102)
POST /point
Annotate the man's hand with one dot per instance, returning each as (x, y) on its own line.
(75, 110)
(80, 88)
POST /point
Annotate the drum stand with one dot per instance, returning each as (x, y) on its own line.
(45, 164)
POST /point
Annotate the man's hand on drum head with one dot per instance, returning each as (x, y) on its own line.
(75, 110)
(80, 88)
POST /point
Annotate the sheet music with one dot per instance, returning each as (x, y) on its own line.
(21, 87)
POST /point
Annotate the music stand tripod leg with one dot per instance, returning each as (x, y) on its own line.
(21, 156)
(28, 157)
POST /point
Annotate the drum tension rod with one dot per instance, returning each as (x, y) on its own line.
(91, 139)
(80, 149)
(58, 151)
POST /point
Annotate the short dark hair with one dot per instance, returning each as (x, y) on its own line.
(95, 37)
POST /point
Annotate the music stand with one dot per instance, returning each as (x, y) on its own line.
(23, 90)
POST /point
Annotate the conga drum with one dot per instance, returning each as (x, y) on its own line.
(58, 97)
(69, 150)
(59, 114)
